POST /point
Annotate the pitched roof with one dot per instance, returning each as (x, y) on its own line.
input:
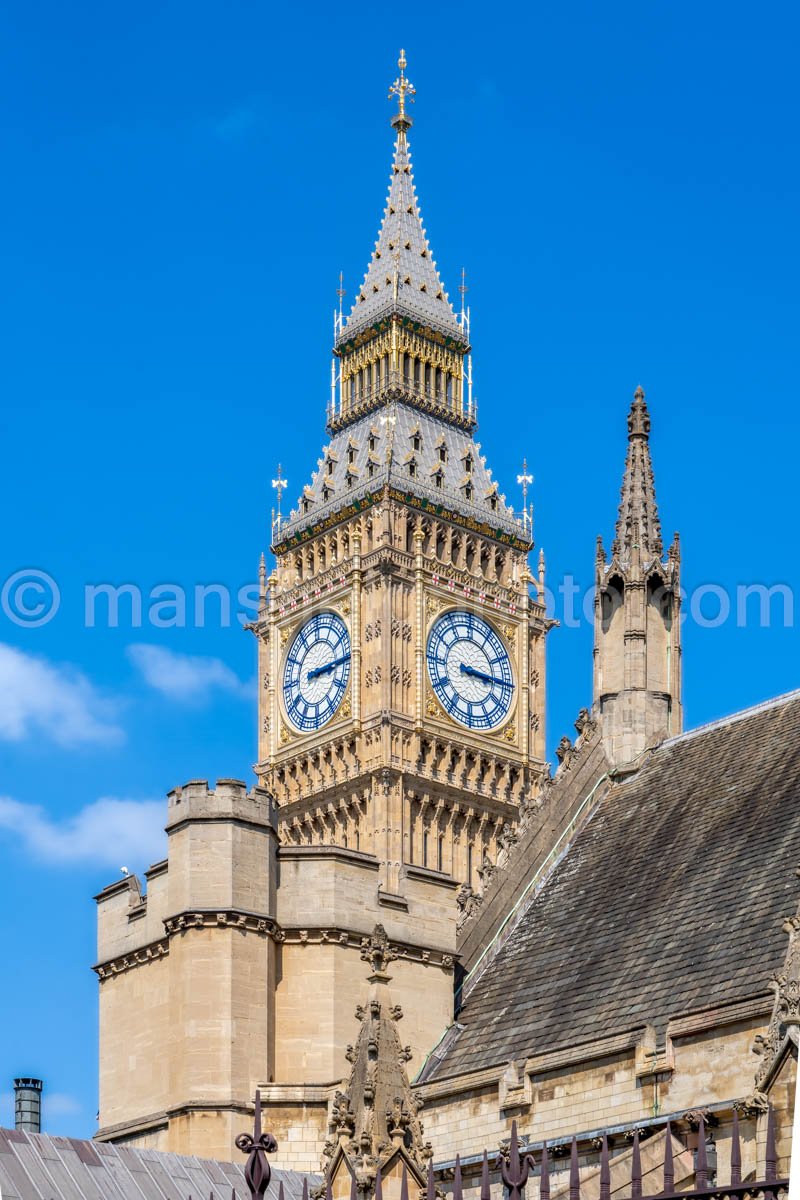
(671, 899)
(36, 1166)
(402, 276)
(390, 464)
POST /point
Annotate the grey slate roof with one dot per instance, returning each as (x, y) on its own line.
(41, 1167)
(403, 247)
(671, 899)
(347, 481)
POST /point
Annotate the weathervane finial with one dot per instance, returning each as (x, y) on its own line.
(402, 88)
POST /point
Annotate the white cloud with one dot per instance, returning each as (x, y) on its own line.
(108, 832)
(184, 677)
(40, 697)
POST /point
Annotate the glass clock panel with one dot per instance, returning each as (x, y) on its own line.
(470, 670)
(316, 672)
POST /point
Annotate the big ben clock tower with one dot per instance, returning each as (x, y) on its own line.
(401, 647)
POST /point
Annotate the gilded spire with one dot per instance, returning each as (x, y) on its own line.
(638, 526)
(402, 277)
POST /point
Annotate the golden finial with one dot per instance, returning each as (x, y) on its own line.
(402, 88)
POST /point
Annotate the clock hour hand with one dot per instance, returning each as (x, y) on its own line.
(323, 670)
(476, 674)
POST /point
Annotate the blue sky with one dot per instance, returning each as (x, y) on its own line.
(182, 185)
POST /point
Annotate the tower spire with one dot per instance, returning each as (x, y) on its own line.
(638, 526)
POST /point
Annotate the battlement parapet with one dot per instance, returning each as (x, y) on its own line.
(228, 800)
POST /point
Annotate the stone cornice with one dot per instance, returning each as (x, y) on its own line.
(355, 939)
(252, 922)
(134, 958)
(220, 918)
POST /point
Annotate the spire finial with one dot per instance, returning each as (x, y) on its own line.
(638, 417)
(525, 479)
(402, 88)
(279, 484)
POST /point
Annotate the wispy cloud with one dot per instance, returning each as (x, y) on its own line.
(109, 832)
(185, 678)
(236, 124)
(39, 697)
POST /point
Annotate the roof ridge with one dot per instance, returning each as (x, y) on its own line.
(732, 718)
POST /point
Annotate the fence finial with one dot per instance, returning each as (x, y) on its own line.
(771, 1154)
(486, 1191)
(257, 1170)
(458, 1190)
(431, 1190)
(515, 1171)
(574, 1173)
(636, 1169)
(669, 1166)
(544, 1181)
(605, 1172)
(701, 1165)
(736, 1151)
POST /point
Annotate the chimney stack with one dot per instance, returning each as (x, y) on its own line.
(28, 1105)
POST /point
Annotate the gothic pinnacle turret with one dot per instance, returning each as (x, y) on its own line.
(637, 643)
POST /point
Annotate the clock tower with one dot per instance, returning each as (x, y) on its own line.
(401, 635)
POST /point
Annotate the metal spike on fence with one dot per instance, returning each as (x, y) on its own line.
(353, 1188)
(431, 1190)
(280, 1191)
(605, 1172)
(458, 1190)
(486, 1191)
(736, 1151)
(636, 1169)
(328, 1189)
(257, 1170)
(404, 1184)
(771, 1154)
(574, 1173)
(378, 1187)
(544, 1180)
(515, 1171)
(701, 1165)
(669, 1165)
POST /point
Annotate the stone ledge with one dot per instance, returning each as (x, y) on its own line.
(428, 875)
(358, 858)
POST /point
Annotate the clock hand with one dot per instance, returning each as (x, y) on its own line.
(327, 667)
(467, 670)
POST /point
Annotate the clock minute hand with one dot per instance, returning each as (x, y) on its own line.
(323, 670)
(476, 674)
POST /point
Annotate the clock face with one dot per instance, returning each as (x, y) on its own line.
(316, 672)
(470, 670)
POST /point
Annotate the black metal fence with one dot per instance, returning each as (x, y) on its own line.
(516, 1169)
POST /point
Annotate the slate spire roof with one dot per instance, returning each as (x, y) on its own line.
(637, 522)
(402, 276)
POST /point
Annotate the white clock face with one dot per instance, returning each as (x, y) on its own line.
(316, 672)
(470, 670)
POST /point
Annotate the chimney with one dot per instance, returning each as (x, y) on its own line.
(28, 1105)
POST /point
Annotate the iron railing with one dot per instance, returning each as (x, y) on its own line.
(516, 1167)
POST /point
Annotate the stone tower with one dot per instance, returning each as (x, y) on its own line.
(637, 642)
(401, 652)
